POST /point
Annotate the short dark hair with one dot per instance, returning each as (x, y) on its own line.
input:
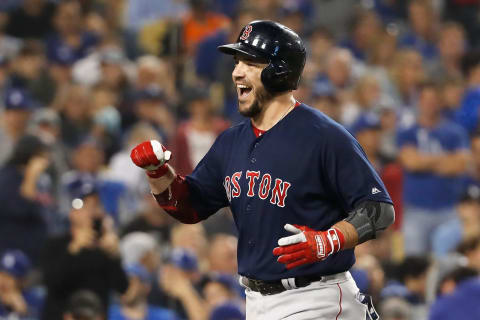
(460, 274)
(85, 305)
(468, 245)
(413, 267)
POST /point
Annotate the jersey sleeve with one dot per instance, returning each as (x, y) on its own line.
(207, 194)
(350, 176)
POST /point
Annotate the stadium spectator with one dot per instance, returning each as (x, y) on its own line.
(423, 27)
(470, 249)
(406, 74)
(9, 46)
(178, 279)
(366, 27)
(461, 303)
(200, 22)
(434, 155)
(451, 45)
(464, 226)
(86, 257)
(468, 114)
(412, 274)
(195, 136)
(17, 300)
(84, 305)
(140, 249)
(18, 110)
(22, 218)
(32, 19)
(134, 304)
(221, 298)
(222, 254)
(366, 97)
(452, 94)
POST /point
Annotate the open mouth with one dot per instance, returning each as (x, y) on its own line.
(243, 90)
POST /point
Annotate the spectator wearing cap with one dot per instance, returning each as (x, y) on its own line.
(84, 305)
(366, 129)
(195, 136)
(29, 71)
(151, 106)
(87, 160)
(18, 108)
(221, 298)
(134, 303)
(434, 154)
(465, 225)
(180, 279)
(86, 257)
(22, 218)
(16, 299)
(324, 99)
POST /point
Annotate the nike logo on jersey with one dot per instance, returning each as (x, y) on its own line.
(276, 190)
(375, 190)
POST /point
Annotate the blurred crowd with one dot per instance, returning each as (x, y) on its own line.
(83, 81)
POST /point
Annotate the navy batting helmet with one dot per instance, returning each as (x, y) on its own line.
(280, 46)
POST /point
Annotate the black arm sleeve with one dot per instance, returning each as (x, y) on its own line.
(371, 217)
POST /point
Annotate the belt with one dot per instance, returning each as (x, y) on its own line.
(277, 286)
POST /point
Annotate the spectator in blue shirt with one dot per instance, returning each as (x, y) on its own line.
(22, 218)
(465, 225)
(434, 155)
(421, 37)
(17, 301)
(462, 303)
(134, 303)
(468, 113)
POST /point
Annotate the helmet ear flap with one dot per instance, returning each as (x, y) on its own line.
(275, 76)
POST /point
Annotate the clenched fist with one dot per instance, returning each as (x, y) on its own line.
(151, 156)
(307, 245)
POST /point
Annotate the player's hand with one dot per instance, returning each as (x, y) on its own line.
(151, 156)
(307, 245)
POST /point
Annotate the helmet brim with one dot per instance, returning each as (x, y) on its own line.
(240, 48)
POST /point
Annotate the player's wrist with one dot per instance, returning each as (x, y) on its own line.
(335, 240)
(157, 173)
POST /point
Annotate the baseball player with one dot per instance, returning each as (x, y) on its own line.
(300, 187)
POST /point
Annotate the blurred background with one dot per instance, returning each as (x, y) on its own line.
(83, 81)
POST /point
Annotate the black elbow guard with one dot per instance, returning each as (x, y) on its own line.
(370, 217)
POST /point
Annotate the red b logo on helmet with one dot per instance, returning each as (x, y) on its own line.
(246, 33)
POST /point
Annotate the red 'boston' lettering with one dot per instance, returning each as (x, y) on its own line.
(279, 193)
(264, 188)
(236, 186)
(252, 176)
(228, 188)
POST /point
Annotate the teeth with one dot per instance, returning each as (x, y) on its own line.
(242, 86)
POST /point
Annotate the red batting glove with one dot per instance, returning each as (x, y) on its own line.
(307, 245)
(151, 156)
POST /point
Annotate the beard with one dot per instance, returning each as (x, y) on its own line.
(262, 96)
